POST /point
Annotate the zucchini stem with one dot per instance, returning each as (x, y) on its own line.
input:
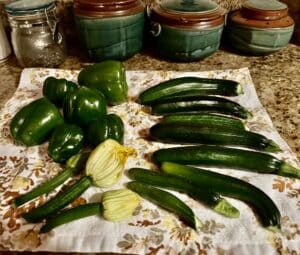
(72, 214)
(288, 170)
(272, 146)
(225, 208)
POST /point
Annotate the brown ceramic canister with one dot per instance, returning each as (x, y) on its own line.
(110, 29)
(260, 27)
(186, 30)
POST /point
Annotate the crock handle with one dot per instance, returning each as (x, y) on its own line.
(148, 10)
(155, 29)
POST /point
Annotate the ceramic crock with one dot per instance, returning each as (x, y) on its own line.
(260, 27)
(110, 29)
(186, 30)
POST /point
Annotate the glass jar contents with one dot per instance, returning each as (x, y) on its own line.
(37, 38)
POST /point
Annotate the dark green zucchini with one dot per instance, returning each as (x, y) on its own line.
(189, 86)
(198, 104)
(205, 120)
(217, 156)
(71, 214)
(162, 180)
(191, 133)
(167, 201)
(73, 166)
(58, 202)
(229, 186)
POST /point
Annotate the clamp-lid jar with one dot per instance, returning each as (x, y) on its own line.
(260, 27)
(110, 29)
(186, 30)
(36, 35)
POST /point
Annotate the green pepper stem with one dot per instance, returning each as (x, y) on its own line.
(72, 214)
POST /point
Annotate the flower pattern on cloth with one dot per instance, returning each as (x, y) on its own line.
(151, 230)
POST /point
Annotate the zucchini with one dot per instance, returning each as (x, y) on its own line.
(205, 120)
(229, 186)
(162, 180)
(218, 156)
(187, 133)
(167, 201)
(198, 104)
(187, 86)
(71, 214)
(58, 202)
(73, 166)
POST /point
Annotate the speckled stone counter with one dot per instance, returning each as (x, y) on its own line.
(276, 78)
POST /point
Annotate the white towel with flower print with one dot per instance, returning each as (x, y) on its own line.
(151, 230)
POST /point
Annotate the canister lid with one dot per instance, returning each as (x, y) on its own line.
(28, 7)
(188, 13)
(264, 9)
(263, 14)
(107, 8)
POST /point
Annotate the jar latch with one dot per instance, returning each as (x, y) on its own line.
(54, 28)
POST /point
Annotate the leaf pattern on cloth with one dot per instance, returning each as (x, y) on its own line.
(151, 230)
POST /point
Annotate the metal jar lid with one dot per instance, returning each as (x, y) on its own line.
(263, 14)
(107, 8)
(195, 14)
(28, 7)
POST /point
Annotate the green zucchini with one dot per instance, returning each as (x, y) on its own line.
(58, 202)
(188, 86)
(198, 104)
(162, 180)
(187, 133)
(167, 201)
(205, 120)
(73, 166)
(217, 156)
(71, 214)
(229, 186)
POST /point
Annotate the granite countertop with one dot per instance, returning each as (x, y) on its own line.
(276, 78)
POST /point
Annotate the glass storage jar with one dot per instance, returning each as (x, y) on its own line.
(110, 29)
(37, 38)
(261, 27)
(186, 30)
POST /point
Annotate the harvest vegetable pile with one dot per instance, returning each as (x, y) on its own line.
(194, 112)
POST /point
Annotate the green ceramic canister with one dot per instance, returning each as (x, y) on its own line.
(110, 29)
(186, 30)
(261, 27)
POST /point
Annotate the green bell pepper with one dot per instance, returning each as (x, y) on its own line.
(84, 105)
(34, 123)
(110, 126)
(108, 77)
(56, 89)
(66, 141)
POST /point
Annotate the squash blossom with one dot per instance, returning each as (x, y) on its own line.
(106, 163)
(119, 204)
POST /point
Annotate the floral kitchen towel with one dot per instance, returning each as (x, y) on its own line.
(151, 230)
